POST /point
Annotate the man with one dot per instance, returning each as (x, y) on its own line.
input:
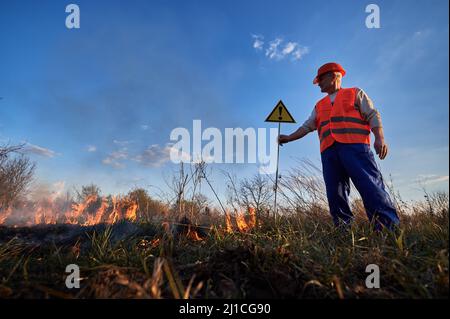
(344, 119)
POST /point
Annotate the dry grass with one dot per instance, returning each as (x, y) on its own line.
(300, 255)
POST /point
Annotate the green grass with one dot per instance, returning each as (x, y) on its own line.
(300, 256)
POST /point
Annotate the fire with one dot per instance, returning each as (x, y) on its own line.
(114, 215)
(193, 235)
(98, 216)
(44, 217)
(183, 229)
(77, 210)
(4, 215)
(229, 226)
(252, 217)
(130, 214)
(243, 223)
(155, 242)
(93, 210)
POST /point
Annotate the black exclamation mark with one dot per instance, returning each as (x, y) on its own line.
(280, 108)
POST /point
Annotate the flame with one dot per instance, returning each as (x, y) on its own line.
(144, 243)
(229, 226)
(243, 223)
(4, 215)
(93, 210)
(44, 213)
(193, 235)
(130, 214)
(155, 242)
(98, 216)
(252, 217)
(189, 232)
(78, 209)
(114, 215)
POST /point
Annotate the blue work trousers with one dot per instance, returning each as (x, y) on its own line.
(342, 162)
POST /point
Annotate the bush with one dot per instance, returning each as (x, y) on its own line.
(16, 174)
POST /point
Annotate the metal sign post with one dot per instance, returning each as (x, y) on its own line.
(276, 174)
(279, 115)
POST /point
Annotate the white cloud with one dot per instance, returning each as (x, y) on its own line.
(299, 53)
(290, 46)
(272, 52)
(144, 127)
(39, 150)
(116, 159)
(277, 51)
(154, 155)
(258, 42)
(91, 148)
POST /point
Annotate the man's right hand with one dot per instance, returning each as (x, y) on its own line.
(282, 139)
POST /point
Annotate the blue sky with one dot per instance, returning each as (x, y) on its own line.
(97, 104)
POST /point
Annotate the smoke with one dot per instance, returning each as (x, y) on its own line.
(43, 190)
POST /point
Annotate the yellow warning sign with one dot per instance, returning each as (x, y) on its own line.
(280, 114)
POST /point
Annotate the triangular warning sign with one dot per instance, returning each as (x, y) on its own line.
(280, 114)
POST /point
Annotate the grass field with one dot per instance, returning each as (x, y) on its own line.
(296, 256)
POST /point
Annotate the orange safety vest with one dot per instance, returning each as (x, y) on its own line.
(341, 121)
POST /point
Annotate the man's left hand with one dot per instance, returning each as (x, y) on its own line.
(381, 148)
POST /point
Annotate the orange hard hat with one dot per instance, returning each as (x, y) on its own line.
(328, 67)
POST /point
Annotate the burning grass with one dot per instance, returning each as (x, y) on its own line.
(93, 210)
(295, 256)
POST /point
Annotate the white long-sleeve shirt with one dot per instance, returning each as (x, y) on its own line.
(362, 102)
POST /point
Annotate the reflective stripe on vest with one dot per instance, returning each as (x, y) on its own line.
(341, 121)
